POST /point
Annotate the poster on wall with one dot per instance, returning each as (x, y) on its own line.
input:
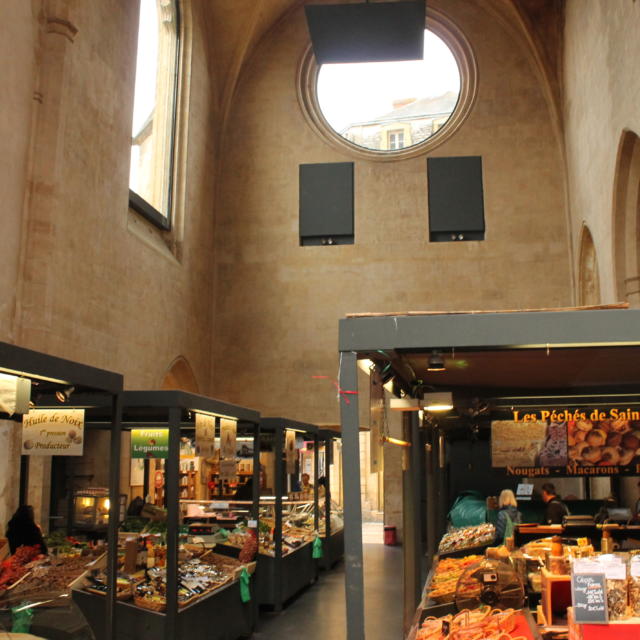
(53, 432)
(376, 420)
(228, 431)
(137, 472)
(581, 442)
(291, 453)
(150, 443)
(205, 435)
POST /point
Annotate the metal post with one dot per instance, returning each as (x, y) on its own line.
(279, 471)
(354, 579)
(114, 515)
(432, 461)
(417, 458)
(316, 510)
(172, 497)
(255, 496)
(328, 444)
(410, 518)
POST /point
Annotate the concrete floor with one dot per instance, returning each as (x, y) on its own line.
(319, 612)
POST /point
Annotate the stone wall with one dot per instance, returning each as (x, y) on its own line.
(278, 304)
(96, 283)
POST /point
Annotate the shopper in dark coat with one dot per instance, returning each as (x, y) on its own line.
(23, 530)
(507, 510)
(556, 509)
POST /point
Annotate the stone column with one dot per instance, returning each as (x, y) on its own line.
(39, 491)
(11, 445)
(46, 162)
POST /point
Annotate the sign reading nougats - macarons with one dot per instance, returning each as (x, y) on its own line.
(53, 432)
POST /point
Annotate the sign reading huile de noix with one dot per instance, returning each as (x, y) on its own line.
(53, 432)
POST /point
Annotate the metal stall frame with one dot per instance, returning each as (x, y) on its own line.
(361, 335)
(281, 577)
(174, 410)
(333, 541)
(93, 387)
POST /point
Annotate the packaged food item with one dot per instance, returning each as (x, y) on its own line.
(616, 578)
(634, 586)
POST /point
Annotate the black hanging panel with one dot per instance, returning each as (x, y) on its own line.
(326, 203)
(367, 32)
(456, 200)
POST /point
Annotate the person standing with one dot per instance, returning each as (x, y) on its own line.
(22, 530)
(507, 511)
(556, 509)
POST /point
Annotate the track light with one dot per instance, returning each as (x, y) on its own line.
(63, 395)
(436, 362)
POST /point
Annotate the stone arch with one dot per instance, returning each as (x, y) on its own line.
(589, 278)
(626, 218)
(180, 376)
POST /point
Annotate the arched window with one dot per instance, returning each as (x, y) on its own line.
(626, 218)
(589, 277)
(154, 111)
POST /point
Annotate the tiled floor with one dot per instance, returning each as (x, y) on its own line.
(319, 612)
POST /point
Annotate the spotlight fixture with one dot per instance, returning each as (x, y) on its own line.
(63, 395)
(438, 401)
(436, 362)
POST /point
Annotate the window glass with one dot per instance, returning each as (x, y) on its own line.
(389, 106)
(151, 167)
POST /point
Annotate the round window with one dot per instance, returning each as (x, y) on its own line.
(393, 109)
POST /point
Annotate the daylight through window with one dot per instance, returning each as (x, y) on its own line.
(151, 169)
(389, 106)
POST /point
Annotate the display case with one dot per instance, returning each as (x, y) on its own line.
(171, 584)
(331, 527)
(91, 509)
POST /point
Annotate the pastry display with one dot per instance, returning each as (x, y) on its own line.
(467, 538)
(478, 624)
(445, 577)
(603, 443)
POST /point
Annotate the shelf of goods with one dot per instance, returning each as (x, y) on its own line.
(209, 591)
(278, 580)
(333, 546)
(465, 540)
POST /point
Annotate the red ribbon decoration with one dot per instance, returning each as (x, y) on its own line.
(343, 393)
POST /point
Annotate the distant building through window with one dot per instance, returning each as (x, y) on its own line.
(389, 106)
(151, 169)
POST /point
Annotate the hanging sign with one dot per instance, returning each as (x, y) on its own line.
(149, 443)
(291, 453)
(53, 432)
(205, 435)
(376, 420)
(580, 442)
(15, 394)
(228, 470)
(228, 431)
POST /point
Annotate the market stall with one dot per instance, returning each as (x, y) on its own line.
(331, 521)
(171, 581)
(289, 517)
(485, 368)
(54, 400)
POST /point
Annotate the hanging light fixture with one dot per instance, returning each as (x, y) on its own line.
(438, 401)
(436, 362)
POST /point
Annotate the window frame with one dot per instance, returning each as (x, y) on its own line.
(136, 202)
(447, 30)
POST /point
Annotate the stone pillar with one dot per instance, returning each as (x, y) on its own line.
(11, 445)
(47, 160)
(39, 491)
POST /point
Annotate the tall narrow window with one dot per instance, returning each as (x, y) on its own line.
(154, 111)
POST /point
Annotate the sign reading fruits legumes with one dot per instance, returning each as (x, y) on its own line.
(583, 442)
(53, 432)
(149, 443)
